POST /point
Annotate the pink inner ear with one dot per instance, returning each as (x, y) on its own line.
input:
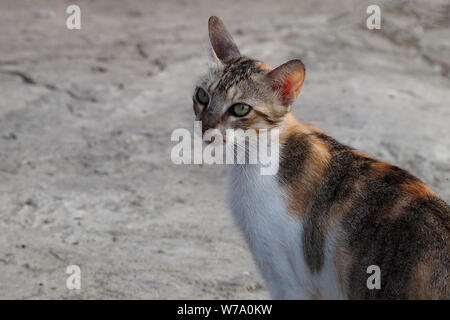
(287, 86)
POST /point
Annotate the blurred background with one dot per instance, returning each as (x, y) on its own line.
(86, 117)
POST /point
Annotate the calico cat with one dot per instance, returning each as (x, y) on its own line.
(331, 211)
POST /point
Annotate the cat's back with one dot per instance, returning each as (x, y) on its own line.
(400, 225)
(378, 215)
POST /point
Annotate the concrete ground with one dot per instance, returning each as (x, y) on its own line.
(86, 117)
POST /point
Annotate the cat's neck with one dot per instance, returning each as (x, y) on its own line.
(304, 160)
(291, 125)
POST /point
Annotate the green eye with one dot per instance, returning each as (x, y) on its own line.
(240, 109)
(202, 96)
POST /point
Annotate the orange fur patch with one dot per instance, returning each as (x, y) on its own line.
(419, 189)
(343, 261)
(291, 125)
(264, 66)
(303, 190)
(380, 169)
(421, 287)
(309, 128)
(361, 154)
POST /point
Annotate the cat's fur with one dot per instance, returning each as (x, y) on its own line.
(331, 211)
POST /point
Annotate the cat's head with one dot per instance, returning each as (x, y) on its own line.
(242, 93)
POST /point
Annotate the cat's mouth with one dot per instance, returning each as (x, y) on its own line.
(215, 135)
(217, 139)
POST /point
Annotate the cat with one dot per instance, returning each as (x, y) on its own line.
(331, 211)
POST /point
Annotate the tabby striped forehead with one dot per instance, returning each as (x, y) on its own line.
(240, 69)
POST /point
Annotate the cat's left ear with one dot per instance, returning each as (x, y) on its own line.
(287, 80)
(223, 44)
(213, 61)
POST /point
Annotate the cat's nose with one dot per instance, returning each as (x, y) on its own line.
(205, 127)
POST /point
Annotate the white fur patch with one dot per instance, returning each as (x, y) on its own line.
(275, 237)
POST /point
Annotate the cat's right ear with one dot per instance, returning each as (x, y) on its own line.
(287, 81)
(221, 41)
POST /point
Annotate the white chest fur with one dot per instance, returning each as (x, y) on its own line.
(273, 235)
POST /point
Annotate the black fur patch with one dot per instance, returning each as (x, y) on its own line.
(396, 246)
(345, 166)
(293, 156)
